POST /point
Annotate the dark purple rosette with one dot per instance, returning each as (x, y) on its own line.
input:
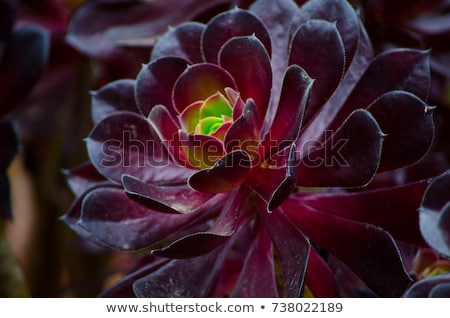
(230, 156)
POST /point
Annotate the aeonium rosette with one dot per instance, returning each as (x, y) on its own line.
(235, 119)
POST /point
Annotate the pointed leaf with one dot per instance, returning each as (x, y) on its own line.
(400, 69)
(264, 181)
(244, 132)
(170, 198)
(189, 278)
(275, 184)
(287, 186)
(73, 216)
(330, 116)
(246, 59)
(181, 41)
(277, 17)
(230, 24)
(198, 82)
(72, 219)
(200, 243)
(291, 108)
(124, 287)
(83, 178)
(226, 174)
(113, 97)
(155, 82)
(408, 123)
(393, 209)
(292, 248)
(349, 157)
(124, 143)
(319, 277)
(370, 252)
(257, 278)
(167, 130)
(117, 221)
(232, 266)
(334, 11)
(325, 68)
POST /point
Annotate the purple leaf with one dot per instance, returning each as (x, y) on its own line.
(434, 214)
(117, 221)
(370, 252)
(287, 185)
(436, 286)
(277, 16)
(181, 41)
(124, 287)
(289, 114)
(120, 22)
(124, 143)
(348, 157)
(393, 209)
(83, 178)
(408, 70)
(73, 216)
(319, 277)
(200, 243)
(199, 82)
(292, 249)
(230, 24)
(170, 198)
(326, 117)
(325, 68)
(226, 174)
(234, 261)
(115, 96)
(177, 278)
(244, 133)
(246, 59)
(408, 123)
(264, 181)
(155, 82)
(168, 131)
(334, 11)
(257, 278)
